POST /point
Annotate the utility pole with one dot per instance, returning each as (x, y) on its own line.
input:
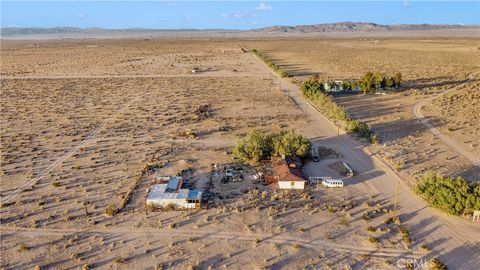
(338, 141)
(395, 201)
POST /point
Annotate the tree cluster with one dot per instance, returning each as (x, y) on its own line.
(257, 145)
(371, 82)
(452, 195)
(313, 90)
(311, 87)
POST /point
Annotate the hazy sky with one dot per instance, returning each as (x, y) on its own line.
(232, 14)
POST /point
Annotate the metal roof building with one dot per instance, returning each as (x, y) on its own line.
(170, 195)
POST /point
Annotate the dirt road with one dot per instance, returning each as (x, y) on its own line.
(417, 111)
(454, 240)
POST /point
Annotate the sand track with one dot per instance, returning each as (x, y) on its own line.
(417, 111)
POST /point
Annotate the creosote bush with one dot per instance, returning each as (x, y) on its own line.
(436, 264)
(452, 195)
(111, 210)
(257, 145)
(372, 240)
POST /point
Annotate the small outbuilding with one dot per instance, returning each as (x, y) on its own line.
(172, 196)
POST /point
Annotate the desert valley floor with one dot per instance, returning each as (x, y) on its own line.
(87, 125)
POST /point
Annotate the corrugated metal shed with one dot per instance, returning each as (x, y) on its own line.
(195, 195)
(158, 193)
(174, 183)
(162, 195)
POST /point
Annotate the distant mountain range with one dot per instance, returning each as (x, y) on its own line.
(356, 27)
(325, 28)
(13, 31)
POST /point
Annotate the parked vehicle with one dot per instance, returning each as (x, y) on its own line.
(315, 156)
(332, 183)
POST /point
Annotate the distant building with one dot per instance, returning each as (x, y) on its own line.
(334, 86)
(288, 173)
(171, 195)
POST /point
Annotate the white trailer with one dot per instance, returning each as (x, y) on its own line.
(332, 183)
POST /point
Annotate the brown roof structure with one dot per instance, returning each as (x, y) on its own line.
(284, 172)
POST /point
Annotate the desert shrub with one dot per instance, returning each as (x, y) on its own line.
(359, 128)
(23, 247)
(257, 145)
(425, 247)
(372, 240)
(452, 195)
(405, 235)
(283, 73)
(296, 246)
(118, 260)
(436, 264)
(343, 221)
(169, 206)
(111, 210)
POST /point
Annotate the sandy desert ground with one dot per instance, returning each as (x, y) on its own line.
(428, 67)
(84, 121)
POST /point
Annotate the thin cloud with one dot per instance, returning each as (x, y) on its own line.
(80, 16)
(263, 7)
(170, 3)
(239, 14)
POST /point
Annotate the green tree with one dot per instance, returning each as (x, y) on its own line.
(290, 143)
(380, 80)
(368, 83)
(452, 195)
(311, 87)
(257, 145)
(254, 147)
(397, 78)
(390, 82)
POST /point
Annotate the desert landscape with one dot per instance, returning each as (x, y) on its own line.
(428, 67)
(88, 125)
